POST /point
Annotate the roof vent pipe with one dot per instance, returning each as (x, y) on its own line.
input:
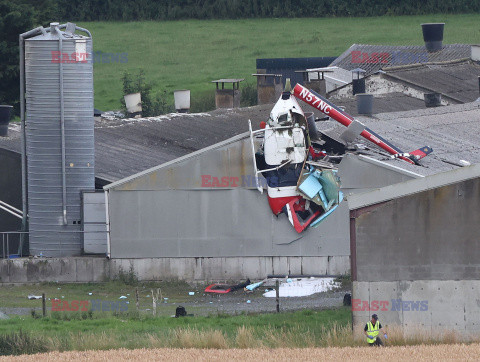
(433, 36)
(432, 99)
(364, 103)
(358, 84)
(475, 52)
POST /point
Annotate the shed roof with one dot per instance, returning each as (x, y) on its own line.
(390, 102)
(391, 192)
(452, 131)
(457, 79)
(372, 58)
(126, 147)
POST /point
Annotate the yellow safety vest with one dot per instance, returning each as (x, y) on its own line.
(373, 331)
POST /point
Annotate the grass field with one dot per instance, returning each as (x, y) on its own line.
(295, 329)
(189, 54)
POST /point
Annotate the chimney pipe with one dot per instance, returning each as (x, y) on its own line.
(433, 36)
(432, 99)
(475, 52)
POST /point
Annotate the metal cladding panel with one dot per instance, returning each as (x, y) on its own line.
(48, 234)
(233, 222)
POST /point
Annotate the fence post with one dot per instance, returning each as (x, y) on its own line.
(136, 298)
(277, 295)
(44, 306)
(154, 304)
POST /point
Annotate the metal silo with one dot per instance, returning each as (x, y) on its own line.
(59, 140)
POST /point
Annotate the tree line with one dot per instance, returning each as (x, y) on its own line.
(18, 16)
(134, 10)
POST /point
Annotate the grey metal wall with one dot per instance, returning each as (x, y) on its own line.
(94, 222)
(165, 212)
(416, 258)
(361, 174)
(48, 234)
(430, 235)
(214, 223)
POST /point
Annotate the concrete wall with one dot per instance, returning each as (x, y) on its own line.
(94, 269)
(430, 305)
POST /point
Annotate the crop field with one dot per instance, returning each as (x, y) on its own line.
(425, 353)
(189, 54)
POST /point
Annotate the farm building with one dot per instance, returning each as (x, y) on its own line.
(229, 231)
(165, 223)
(415, 253)
(454, 82)
(177, 195)
(374, 58)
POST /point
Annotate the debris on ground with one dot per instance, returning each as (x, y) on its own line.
(31, 297)
(252, 287)
(225, 288)
(301, 287)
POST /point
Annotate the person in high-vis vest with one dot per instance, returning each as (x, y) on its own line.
(372, 330)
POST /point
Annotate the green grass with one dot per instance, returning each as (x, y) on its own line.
(294, 329)
(125, 324)
(189, 54)
(326, 328)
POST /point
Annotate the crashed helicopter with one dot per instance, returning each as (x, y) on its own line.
(301, 174)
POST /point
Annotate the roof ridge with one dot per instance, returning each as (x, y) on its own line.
(418, 65)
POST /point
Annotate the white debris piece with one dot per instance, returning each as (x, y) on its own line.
(303, 287)
(34, 297)
(123, 297)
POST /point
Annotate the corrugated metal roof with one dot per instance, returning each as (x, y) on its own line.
(457, 80)
(126, 147)
(372, 58)
(410, 187)
(452, 131)
(390, 102)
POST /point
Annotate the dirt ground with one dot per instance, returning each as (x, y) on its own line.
(425, 353)
(199, 304)
(240, 302)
